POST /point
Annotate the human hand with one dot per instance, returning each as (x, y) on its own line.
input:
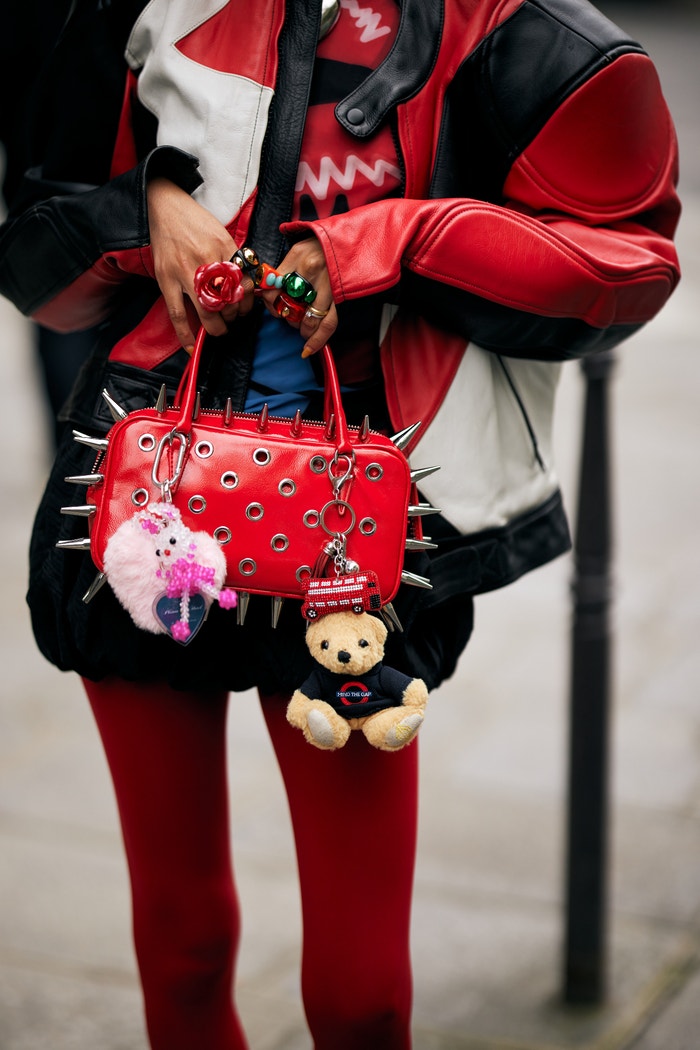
(306, 258)
(185, 236)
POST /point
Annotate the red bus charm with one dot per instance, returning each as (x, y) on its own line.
(358, 592)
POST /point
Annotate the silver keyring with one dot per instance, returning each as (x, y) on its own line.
(337, 503)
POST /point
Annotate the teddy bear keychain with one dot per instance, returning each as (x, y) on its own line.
(351, 688)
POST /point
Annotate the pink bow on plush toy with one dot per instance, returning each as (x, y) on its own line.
(165, 575)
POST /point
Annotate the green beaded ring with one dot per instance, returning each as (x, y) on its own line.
(298, 288)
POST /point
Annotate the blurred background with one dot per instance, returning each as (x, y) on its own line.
(488, 916)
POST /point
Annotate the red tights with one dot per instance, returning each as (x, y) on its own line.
(354, 819)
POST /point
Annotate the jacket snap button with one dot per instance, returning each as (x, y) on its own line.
(355, 116)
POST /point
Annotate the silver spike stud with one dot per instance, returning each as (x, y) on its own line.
(330, 429)
(422, 472)
(262, 418)
(404, 436)
(197, 406)
(277, 603)
(98, 444)
(162, 402)
(416, 581)
(96, 585)
(85, 479)
(116, 410)
(388, 614)
(242, 607)
(364, 430)
(419, 510)
(296, 424)
(228, 412)
(85, 511)
(82, 544)
(420, 545)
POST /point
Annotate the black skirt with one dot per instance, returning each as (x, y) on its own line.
(99, 639)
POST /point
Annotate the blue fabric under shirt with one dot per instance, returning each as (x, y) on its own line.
(284, 379)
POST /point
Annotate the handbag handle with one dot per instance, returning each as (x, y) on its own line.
(333, 405)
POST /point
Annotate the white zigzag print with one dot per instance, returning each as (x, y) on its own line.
(366, 19)
(329, 171)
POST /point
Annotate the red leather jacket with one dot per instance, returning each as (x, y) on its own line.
(536, 223)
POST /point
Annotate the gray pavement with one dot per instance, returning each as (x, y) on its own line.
(488, 905)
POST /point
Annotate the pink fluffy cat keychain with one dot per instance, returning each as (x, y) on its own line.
(165, 575)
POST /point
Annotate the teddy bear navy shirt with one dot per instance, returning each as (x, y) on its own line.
(357, 695)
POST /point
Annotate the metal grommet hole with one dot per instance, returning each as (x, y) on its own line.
(312, 519)
(280, 542)
(247, 566)
(203, 449)
(368, 526)
(318, 464)
(254, 511)
(303, 573)
(140, 497)
(229, 479)
(197, 504)
(222, 535)
(287, 487)
(374, 471)
(262, 456)
(147, 442)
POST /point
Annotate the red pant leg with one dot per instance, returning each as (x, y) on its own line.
(167, 755)
(354, 813)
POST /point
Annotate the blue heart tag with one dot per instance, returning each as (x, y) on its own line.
(167, 612)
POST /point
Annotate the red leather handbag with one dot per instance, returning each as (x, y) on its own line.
(286, 499)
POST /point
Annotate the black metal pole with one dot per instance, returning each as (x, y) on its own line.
(585, 961)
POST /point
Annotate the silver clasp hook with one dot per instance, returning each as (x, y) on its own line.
(167, 484)
(338, 480)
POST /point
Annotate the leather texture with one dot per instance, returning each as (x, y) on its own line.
(274, 492)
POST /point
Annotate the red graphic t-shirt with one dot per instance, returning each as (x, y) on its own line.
(338, 171)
